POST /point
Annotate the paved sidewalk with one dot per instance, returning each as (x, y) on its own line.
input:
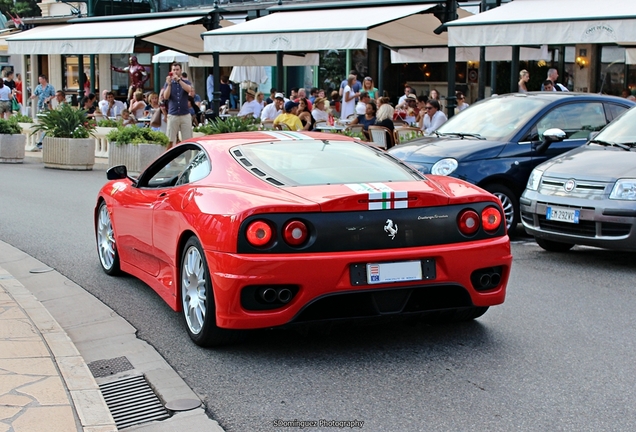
(45, 384)
(46, 342)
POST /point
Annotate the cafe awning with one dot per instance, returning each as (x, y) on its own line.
(105, 37)
(322, 29)
(548, 22)
(226, 60)
(463, 54)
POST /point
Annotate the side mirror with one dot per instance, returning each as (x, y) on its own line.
(550, 136)
(592, 135)
(118, 172)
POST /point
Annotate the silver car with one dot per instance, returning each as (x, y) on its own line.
(586, 196)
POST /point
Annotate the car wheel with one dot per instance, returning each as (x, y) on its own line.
(106, 244)
(197, 299)
(552, 246)
(455, 315)
(509, 202)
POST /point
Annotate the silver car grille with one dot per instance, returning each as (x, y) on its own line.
(582, 188)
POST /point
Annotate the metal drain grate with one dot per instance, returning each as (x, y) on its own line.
(104, 368)
(131, 401)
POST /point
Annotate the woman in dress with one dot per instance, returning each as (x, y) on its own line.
(367, 86)
(304, 115)
(524, 76)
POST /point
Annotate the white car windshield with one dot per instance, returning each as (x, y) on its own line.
(621, 130)
(495, 119)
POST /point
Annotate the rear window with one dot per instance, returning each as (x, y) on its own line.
(302, 163)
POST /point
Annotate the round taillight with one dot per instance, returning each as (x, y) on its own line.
(468, 222)
(259, 233)
(490, 219)
(295, 233)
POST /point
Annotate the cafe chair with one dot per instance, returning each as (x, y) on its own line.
(381, 136)
(403, 134)
(267, 125)
(281, 127)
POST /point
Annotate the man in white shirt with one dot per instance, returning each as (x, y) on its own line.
(112, 107)
(433, 118)
(553, 74)
(103, 102)
(402, 101)
(273, 110)
(361, 106)
(251, 106)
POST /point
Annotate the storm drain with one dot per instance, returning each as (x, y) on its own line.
(131, 401)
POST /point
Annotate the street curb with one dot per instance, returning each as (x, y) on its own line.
(86, 397)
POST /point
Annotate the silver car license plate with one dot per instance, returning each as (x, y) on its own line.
(562, 215)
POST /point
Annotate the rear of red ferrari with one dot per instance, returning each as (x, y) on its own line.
(365, 250)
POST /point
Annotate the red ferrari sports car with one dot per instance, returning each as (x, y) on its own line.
(262, 229)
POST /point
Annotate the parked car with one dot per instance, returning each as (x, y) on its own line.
(586, 196)
(262, 229)
(497, 142)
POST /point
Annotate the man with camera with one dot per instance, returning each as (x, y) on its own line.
(175, 93)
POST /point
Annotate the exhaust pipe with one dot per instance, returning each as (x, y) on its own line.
(495, 278)
(284, 295)
(485, 280)
(269, 295)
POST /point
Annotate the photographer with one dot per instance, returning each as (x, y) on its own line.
(176, 91)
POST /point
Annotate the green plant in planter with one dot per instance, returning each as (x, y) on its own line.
(137, 135)
(230, 124)
(351, 134)
(21, 118)
(65, 122)
(109, 123)
(9, 127)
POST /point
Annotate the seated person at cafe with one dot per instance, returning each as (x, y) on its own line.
(302, 94)
(127, 119)
(408, 111)
(433, 118)
(361, 106)
(547, 86)
(273, 110)
(289, 117)
(318, 113)
(112, 107)
(251, 106)
(368, 118)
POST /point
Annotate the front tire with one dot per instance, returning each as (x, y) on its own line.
(197, 300)
(552, 246)
(106, 243)
(509, 202)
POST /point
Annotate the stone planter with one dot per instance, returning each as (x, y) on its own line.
(12, 148)
(69, 153)
(136, 157)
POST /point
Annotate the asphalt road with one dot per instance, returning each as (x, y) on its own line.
(557, 355)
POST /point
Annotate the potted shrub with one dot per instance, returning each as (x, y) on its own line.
(68, 143)
(230, 124)
(12, 142)
(135, 147)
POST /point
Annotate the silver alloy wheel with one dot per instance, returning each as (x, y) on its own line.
(105, 239)
(193, 290)
(508, 207)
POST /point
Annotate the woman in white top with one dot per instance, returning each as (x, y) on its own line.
(137, 105)
(524, 76)
(318, 113)
(349, 98)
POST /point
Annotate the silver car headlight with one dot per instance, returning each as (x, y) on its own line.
(444, 166)
(624, 189)
(534, 180)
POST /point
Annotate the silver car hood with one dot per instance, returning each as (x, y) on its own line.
(592, 162)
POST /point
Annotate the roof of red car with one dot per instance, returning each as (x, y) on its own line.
(232, 139)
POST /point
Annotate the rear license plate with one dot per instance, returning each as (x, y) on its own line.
(394, 272)
(562, 215)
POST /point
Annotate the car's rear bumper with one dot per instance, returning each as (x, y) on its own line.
(605, 223)
(318, 276)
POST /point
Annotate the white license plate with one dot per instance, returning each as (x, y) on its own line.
(394, 272)
(562, 215)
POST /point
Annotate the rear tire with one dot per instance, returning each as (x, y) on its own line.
(197, 300)
(509, 202)
(455, 315)
(552, 246)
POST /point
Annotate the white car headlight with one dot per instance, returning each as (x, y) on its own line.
(444, 166)
(624, 189)
(534, 180)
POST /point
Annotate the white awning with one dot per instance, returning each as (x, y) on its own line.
(226, 60)
(630, 56)
(440, 55)
(106, 37)
(548, 22)
(323, 29)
